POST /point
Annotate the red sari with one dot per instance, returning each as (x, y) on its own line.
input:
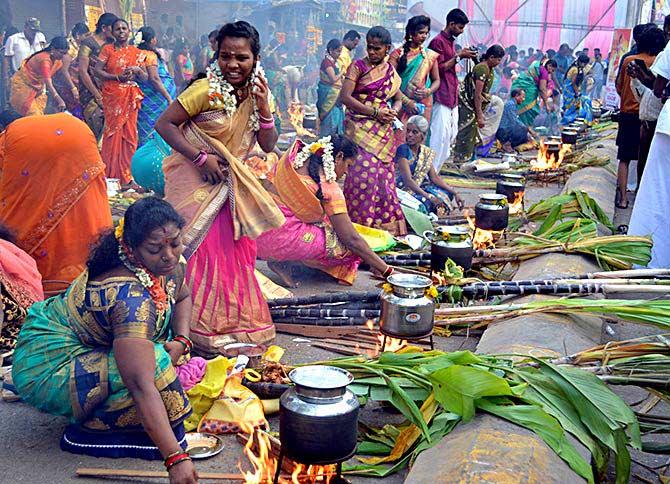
(121, 102)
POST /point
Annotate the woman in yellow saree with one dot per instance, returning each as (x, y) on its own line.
(211, 126)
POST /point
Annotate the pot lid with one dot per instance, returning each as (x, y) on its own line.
(453, 229)
(321, 377)
(492, 197)
(409, 281)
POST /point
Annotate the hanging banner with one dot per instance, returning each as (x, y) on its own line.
(621, 43)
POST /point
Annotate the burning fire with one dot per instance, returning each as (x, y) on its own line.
(517, 205)
(481, 239)
(392, 344)
(261, 455)
(296, 113)
(548, 161)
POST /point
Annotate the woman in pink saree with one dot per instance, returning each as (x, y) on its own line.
(318, 232)
(211, 126)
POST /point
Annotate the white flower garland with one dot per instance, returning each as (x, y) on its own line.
(221, 92)
(327, 157)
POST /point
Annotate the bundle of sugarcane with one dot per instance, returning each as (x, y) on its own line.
(646, 345)
(334, 321)
(652, 312)
(610, 251)
(393, 258)
(576, 204)
(461, 182)
(325, 312)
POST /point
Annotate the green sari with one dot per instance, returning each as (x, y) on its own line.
(468, 137)
(64, 361)
(529, 81)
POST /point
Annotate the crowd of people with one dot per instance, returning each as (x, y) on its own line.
(178, 271)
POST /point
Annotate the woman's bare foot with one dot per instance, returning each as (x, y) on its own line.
(285, 272)
(507, 147)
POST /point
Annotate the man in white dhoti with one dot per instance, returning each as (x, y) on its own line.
(651, 213)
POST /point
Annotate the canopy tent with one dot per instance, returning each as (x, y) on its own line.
(543, 24)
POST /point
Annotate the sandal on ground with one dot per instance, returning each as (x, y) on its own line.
(619, 204)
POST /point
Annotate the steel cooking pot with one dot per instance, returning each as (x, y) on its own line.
(318, 419)
(569, 136)
(449, 242)
(407, 312)
(509, 185)
(492, 212)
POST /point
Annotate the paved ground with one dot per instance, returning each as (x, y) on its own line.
(29, 439)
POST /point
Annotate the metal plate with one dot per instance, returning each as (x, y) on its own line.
(201, 445)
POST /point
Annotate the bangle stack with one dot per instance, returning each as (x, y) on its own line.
(200, 159)
(375, 112)
(185, 340)
(176, 458)
(387, 272)
(266, 123)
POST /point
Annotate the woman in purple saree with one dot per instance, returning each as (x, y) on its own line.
(369, 85)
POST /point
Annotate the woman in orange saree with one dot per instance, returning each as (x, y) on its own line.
(212, 126)
(53, 194)
(417, 67)
(120, 65)
(33, 79)
(318, 231)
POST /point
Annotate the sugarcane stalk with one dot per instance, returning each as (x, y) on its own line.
(326, 298)
(325, 313)
(322, 321)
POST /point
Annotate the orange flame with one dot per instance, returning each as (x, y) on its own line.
(549, 161)
(258, 450)
(296, 113)
(517, 205)
(481, 239)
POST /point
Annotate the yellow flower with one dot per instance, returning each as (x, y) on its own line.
(119, 229)
(315, 147)
(431, 292)
(387, 287)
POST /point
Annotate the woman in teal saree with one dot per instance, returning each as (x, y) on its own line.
(103, 352)
(331, 112)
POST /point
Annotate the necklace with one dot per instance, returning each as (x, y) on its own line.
(162, 298)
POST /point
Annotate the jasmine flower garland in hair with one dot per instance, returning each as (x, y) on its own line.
(324, 148)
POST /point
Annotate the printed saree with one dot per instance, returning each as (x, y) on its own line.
(417, 76)
(64, 363)
(28, 91)
(419, 167)
(53, 194)
(222, 222)
(93, 114)
(468, 137)
(20, 287)
(331, 112)
(307, 236)
(121, 102)
(370, 184)
(575, 104)
(529, 81)
(153, 103)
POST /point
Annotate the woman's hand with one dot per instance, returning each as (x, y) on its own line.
(480, 121)
(260, 90)
(411, 108)
(422, 93)
(213, 169)
(183, 473)
(459, 201)
(436, 201)
(98, 99)
(175, 349)
(386, 115)
(60, 104)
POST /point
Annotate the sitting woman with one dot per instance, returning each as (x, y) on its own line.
(318, 231)
(102, 354)
(20, 288)
(415, 171)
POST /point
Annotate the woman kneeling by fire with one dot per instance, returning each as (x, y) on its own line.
(318, 232)
(103, 353)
